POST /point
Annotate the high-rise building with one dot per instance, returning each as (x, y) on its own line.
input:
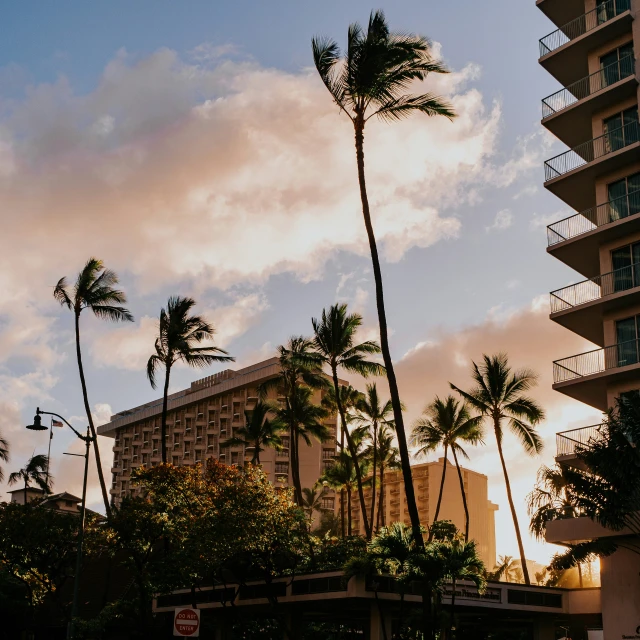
(591, 53)
(202, 417)
(426, 480)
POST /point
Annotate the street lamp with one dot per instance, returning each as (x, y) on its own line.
(37, 426)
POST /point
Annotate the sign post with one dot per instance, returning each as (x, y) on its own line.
(186, 622)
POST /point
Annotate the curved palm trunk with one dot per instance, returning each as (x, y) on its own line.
(380, 520)
(354, 457)
(295, 466)
(412, 507)
(342, 519)
(464, 497)
(349, 531)
(444, 475)
(523, 561)
(87, 408)
(373, 473)
(163, 423)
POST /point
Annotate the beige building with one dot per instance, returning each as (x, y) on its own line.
(426, 481)
(591, 53)
(199, 419)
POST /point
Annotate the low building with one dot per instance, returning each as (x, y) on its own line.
(63, 501)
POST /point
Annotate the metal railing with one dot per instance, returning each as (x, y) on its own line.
(591, 150)
(622, 354)
(593, 218)
(589, 85)
(603, 12)
(595, 288)
(567, 441)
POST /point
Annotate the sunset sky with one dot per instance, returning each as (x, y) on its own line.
(191, 147)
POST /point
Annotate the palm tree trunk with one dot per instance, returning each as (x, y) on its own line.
(380, 521)
(342, 519)
(349, 531)
(163, 423)
(352, 451)
(464, 497)
(444, 475)
(523, 560)
(295, 467)
(26, 486)
(580, 575)
(412, 507)
(87, 408)
(373, 473)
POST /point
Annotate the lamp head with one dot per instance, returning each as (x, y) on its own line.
(37, 423)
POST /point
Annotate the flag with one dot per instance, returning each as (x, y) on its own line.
(56, 423)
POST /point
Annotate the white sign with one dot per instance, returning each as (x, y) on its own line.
(186, 622)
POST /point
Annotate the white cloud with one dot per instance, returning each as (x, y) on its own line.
(503, 220)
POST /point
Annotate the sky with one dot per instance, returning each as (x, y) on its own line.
(193, 149)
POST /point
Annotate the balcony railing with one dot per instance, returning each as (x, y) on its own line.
(593, 218)
(591, 150)
(567, 441)
(622, 354)
(582, 24)
(595, 288)
(585, 87)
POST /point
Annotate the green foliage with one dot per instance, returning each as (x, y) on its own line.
(331, 553)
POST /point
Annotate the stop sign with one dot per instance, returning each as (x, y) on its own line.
(186, 622)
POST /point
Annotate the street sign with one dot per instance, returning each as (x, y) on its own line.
(186, 622)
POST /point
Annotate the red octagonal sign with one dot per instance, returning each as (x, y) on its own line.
(186, 622)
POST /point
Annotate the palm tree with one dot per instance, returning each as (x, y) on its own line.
(388, 458)
(371, 80)
(311, 501)
(335, 337)
(4, 455)
(507, 568)
(34, 471)
(180, 338)
(376, 415)
(258, 432)
(500, 396)
(447, 423)
(94, 290)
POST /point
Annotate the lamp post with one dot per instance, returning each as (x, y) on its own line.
(38, 426)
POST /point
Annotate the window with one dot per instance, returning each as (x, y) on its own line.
(621, 129)
(282, 468)
(328, 454)
(627, 341)
(328, 503)
(611, 8)
(617, 64)
(625, 262)
(624, 197)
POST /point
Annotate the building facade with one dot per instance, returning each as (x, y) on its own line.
(202, 417)
(426, 480)
(591, 53)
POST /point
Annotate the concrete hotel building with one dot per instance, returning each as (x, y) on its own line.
(591, 53)
(198, 420)
(426, 479)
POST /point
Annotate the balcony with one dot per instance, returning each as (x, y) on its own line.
(580, 307)
(568, 441)
(561, 11)
(570, 175)
(576, 240)
(568, 113)
(586, 376)
(564, 52)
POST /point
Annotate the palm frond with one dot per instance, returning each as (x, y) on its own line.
(404, 106)
(60, 293)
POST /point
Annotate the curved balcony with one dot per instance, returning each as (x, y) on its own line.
(568, 113)
(563, 53)
(580, 307)
(586, 376)
(570, 175)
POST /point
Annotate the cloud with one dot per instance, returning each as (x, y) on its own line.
(502, 221)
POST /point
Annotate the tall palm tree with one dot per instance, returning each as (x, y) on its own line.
(4, 455)
(94, 289)
(258, 432)
(335, 342)
(305, 421)
(376, 415)
(372, 80)
(180, 338)
(34, 471)
(388, 458)
(499, 396)
(447, 423)
(311, 501)
(339, 476)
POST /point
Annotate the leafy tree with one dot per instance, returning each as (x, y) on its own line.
(258, 432)
(448, 423)
(372, 79)
(94, 289)
(34, 471)
(180, 339)
(335, 342)
(499, 397)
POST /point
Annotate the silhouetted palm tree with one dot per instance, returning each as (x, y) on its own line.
(180, 340)
(447, 423)
(34, 471)
(94, 290)
(4, 455)
(388, 458)
(258, 432)
(372, 80)
(335, 342)
(311, 501)
(499, 397)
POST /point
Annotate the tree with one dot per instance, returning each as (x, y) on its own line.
(507, 568)
(447, 423)
(4, 455)
(180, 340)
(372, 80)
(388, 458)
(258, 432)
(34, 471)
(335, 342)
(94, 289)
(311, 501)
(499, 396)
